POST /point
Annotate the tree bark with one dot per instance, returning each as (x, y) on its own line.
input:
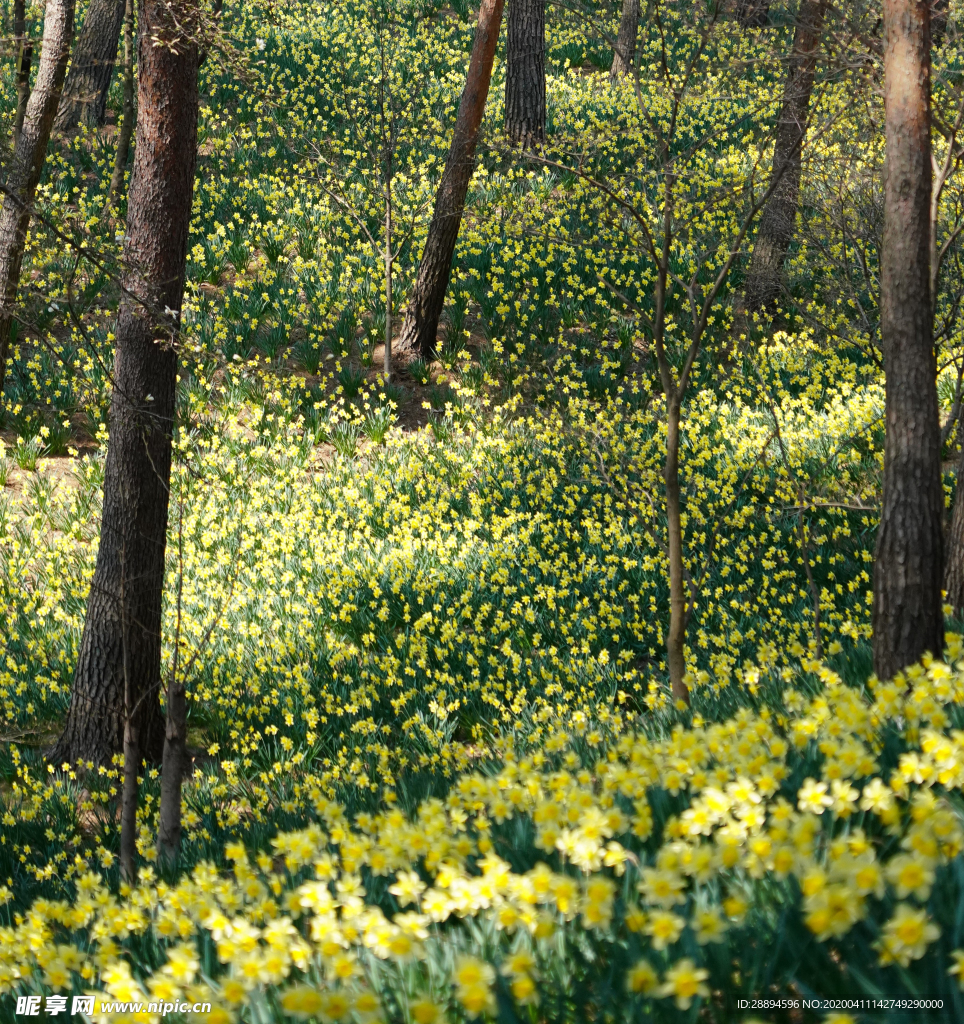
(128, 114)
(752, 13)
(91, 70)
(625, 52)
(907, 609)
(28, 160)
(420, 326)
(24, 57)
(778, 220)
(525, 73)
(954, 565)
(676, 638)
(130, 559)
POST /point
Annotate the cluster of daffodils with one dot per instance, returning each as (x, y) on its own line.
(600, 862)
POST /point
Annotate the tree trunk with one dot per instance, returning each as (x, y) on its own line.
(779, 216)
(907, 610)
(675, 658)
(752, 13)
(28, 160)
(91, 70)
(954, 564)
(172, 773)
(625, 53)
(525, 73)
(24, 57)
(128, 115)
(939, 15)
(130, 559)
(420, 326)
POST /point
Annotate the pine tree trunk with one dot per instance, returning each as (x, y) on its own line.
(525, 74)
(128, 113)
(28, 160)
(91, 70)
(625, 52)
(752, 13)
(24, 57)
(130, 559)
(907, 610)
(420, 326)
(778, 220)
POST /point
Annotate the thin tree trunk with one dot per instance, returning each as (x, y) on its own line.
(525, 73)
(172, 772)
(778, 220)
(28, 160)
(939, 16)
(752, 13)
(132, 753)
(128, 115)
(676, 661)
(954, 564)
(420, 326)
(388, 278)
(907, 609)
(137, 472)
(24, 58)
(91, 70)
(625, 52)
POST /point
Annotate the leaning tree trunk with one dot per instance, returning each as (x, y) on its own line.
(91, 70)
(625, 52)
(779, 216)
(907, 609)
(28, 160)
(752, 13)
(24, 46)
(129, 573)
(420, 326)
(525, 73)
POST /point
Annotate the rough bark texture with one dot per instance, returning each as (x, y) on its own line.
(128, 115)
(752, 13)
(91, 70)
(625, 52)
(777, 222)
(907, 610)
(130, 559)
(24, 57)
(420, 326)
(28, 160)
(525, 73)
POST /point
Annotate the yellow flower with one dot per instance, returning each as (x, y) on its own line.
(957, 967)
(424, 1011)
(302, 1001)
(524, 990)
(709, 925)
(812, 796)
(664, 928)
(473, 979)
(907, 935)
(909, 874)
(684, 981)
(642, 978)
